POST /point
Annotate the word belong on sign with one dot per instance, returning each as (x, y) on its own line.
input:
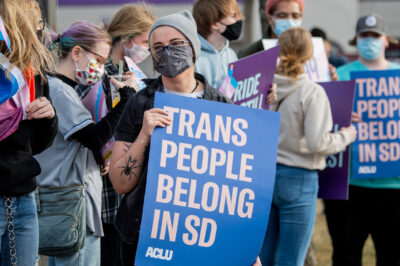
(209, 176)
(377, 148)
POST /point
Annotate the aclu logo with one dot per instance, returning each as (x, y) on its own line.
(367, 169)
(159, 253)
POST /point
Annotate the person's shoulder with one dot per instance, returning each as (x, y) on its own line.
(394, 66)
(251, 49)
(59, 88)
(343, 72)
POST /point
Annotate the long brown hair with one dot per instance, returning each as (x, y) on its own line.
(21, 19)
(296, 48)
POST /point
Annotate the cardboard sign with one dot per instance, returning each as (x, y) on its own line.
(376, 152)
(209, 184)
(317, 68)
(254, 75)
(334, 179)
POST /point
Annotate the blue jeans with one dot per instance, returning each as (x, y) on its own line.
(88, 256)
(26, 230)
(292, 217)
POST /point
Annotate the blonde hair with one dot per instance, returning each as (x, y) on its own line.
(131, 21)
(296, 48)
(20, 19)
(208, 12)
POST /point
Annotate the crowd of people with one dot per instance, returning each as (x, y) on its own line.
(52, 144)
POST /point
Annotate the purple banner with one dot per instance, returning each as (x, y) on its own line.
(333, 181)
(254, 75)
(120, 2)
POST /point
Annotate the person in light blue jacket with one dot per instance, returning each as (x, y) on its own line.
(218, 22)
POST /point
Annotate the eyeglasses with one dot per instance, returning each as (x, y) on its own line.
(42, 24)
(285, 15)
(100, 59)
(158, 48)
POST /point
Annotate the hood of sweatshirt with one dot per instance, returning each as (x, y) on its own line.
(286, 85)
(207, 47)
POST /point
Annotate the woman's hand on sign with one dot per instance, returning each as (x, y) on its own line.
(272, 94)
(356, 118)
(258, 262)
(333, 72)
(129, 81)
(153, 118)
(351, 130)
(40, 108)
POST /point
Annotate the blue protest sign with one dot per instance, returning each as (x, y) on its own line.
(209, 184)
(376, 152)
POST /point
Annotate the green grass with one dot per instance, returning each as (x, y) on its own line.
(323, 245)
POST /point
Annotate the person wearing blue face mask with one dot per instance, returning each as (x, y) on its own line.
(281, 15)
(371, 42)
(373, 207)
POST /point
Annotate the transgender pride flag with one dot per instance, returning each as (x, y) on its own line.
(229, 85)
(3, 35)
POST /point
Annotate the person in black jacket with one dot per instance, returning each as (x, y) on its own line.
(175, 47)
(35, 132)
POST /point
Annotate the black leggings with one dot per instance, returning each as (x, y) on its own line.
(368, 211)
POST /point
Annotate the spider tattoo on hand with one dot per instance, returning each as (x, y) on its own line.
(128, 168)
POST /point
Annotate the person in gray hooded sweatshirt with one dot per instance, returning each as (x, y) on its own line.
(304, 141)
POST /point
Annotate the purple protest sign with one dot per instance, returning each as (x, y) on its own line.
(254, 75)
(333, 181)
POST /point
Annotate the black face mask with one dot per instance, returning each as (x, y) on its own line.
(233, 31)
(173, 60)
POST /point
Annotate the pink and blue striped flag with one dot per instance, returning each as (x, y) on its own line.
(229, 85)
(4, 35)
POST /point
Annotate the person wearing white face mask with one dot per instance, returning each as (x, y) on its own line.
(281, 15)
(129, 29)
(373, 207)
(71, 160)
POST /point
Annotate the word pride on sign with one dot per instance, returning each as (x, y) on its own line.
(334, 179)
(209, 184)
(376, 152)
(254, 75)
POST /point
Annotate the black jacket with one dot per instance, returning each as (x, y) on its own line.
(18, 168)
(130, 212)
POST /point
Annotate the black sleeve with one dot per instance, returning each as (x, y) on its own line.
(95, 136)
(45, 130)
(130, 123)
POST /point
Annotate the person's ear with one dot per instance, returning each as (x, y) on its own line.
(75, 52)
(215, 26)
(270, 20)
(386, 42)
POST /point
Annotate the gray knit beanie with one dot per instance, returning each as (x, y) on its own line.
(184, 22)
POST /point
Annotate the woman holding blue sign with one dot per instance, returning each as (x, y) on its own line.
(28, 126)
(174, 47)
(305, 139)
(373, 206)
